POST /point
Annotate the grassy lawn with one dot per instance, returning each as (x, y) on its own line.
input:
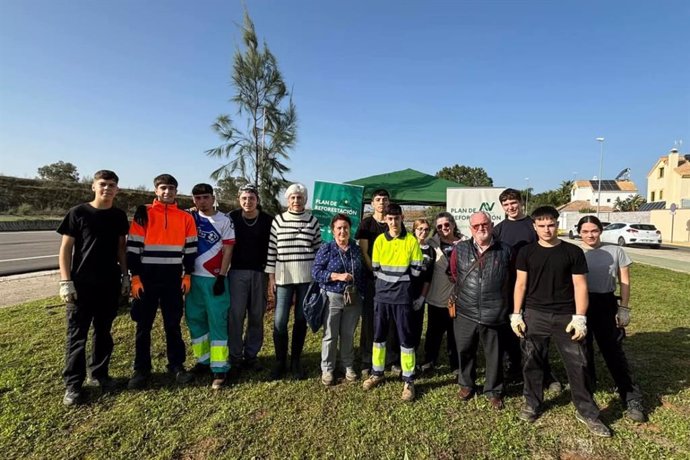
(255, 418)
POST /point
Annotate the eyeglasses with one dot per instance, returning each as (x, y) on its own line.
(444, 225)
(423, 229)
(482, 225)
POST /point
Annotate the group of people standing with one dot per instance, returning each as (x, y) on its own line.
(216, 270)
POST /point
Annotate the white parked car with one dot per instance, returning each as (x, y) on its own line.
(572, 233)
(623, 234)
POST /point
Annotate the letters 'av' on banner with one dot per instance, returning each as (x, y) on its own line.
(330, 199)
(462, 202)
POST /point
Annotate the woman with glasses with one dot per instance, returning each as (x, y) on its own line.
(420, 285)
(439, 321)
(339, 269)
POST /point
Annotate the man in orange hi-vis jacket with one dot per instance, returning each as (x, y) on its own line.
(161, 249)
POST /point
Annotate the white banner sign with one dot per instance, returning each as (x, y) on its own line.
(462, 202)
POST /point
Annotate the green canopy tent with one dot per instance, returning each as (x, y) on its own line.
(408, 187)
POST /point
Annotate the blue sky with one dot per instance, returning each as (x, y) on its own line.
(520, 88)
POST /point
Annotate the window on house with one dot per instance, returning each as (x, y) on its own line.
(661, 173)
(652, 196)
(661, 194)
(608, 200)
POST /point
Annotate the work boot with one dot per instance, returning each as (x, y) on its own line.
(182, 377)
(297, 371)
(72, 397)
(372, 381)
(635, 411)
(408, 392)
(139, 380)
(594, 425)
(218, 381)
(278, 370)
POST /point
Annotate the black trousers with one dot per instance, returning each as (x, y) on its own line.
(438, 323)
(97, 305)
(168, 296)
(542, 327)
(601, 323)
(468, 334)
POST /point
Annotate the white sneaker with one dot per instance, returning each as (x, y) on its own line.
(350, 374)
(327, 378)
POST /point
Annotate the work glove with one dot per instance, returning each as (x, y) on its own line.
(186, 284)
(68, 293)
(578, 327)
(137, 287)
(622, 316)
(418, 303)
(517, 324)
(219, 285)
(126, 286)
(141, 215)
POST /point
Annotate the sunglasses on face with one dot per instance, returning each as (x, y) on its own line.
(248, 188)
(482, 225)
(444, 225)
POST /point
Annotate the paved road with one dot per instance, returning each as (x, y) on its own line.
(22, 252)
(670, 257)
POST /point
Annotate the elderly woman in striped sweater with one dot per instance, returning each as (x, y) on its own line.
(295, 239)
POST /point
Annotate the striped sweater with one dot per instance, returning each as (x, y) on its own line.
(292, 247)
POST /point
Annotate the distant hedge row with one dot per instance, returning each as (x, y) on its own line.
(60, 196)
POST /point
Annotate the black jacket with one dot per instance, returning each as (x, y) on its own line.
(482, 289)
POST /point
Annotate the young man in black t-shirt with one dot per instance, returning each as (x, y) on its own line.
(517, 230)
(552, 284)
(369, 229)
(93, 275)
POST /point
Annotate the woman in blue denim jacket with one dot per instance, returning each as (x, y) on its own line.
(339, 269)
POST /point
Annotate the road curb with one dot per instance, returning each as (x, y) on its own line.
(22, 276)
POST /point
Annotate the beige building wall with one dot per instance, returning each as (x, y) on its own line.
(669, 180)
(662, 218)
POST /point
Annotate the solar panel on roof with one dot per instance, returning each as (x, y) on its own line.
(653, 205)
(606, 185)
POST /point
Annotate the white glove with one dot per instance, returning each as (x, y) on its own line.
(622, 316)
(126, 286)
(579, 325)
(418, 303)
(517, 324)
(68, 293)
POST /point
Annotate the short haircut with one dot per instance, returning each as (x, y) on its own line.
(380, 192)
(590, 220)
(106, 174)
(249, 188)
(202, 189)
(510, 194)
(297, 189)
(340, 216)
(545, 212)
(393, 209)
(166, 179)
(482, 213)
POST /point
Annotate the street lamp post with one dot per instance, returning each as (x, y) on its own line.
(601, 167)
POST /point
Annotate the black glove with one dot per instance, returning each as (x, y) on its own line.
(141, 215)
(219, 285)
